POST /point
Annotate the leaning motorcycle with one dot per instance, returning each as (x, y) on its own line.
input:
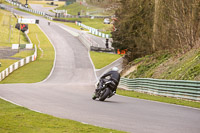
(104, 90)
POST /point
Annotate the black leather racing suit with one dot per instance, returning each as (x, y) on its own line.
(114, 76)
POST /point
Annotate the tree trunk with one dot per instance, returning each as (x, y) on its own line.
(155, 25)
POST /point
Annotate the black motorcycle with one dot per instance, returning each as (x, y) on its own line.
(105, 89)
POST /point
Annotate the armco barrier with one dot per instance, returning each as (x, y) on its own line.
(93, 30)
(87, 41)
(173, 88)
(18, 64)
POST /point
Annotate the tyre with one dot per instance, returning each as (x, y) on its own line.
(94, 97)
(105, 94)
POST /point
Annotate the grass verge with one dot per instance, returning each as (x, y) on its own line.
(96, 23)
(158, 98)
(24, 54)
(101, 60)
(16, 119)
(38, 70)
(5, 63)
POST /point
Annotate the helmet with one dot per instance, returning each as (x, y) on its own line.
(115, 69)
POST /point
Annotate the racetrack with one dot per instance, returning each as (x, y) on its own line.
(68, 90)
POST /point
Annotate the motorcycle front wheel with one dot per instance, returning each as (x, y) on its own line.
(94, 97)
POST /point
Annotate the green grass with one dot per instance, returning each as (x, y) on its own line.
(38, 70)
(101, 60)
(187, 67)
(158, 98)
(74, 8)
(96, 23)
(6, 18)
(5, 63)
(23, 54)
(16, 119)
(147, 68)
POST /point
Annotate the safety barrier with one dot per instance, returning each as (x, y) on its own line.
(18, 64)
(87, 41)
(93, 30)
(173, 88)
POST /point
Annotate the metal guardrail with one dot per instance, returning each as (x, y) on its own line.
(185, 89)
(93, 30)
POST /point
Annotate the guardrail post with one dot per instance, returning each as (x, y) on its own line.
(11, 69)
(0, 76)
(27, 59)
(3, 74)
(16, 65)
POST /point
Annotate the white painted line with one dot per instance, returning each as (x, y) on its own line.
(10, 101)
(20, 105)
(84, 123)
(40, 47)
(93, 66)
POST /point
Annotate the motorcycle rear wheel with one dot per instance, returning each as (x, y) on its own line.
(105, 94)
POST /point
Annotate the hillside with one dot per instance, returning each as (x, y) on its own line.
(166, 66)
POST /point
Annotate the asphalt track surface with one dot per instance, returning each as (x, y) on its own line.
(67, 94)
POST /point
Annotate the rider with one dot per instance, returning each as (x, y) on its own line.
(114, 76)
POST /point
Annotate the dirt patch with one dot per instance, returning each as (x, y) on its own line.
(130, 70)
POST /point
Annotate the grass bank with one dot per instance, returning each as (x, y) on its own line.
(101, 60)
(16, 119)
(76, 7)
(168, 66)
(96, 23)
(165, 66)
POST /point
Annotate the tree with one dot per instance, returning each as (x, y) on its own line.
(134, 27)
(147, 26)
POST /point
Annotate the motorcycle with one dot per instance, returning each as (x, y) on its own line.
(104, 90)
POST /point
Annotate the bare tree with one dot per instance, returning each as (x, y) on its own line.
(178, 24)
